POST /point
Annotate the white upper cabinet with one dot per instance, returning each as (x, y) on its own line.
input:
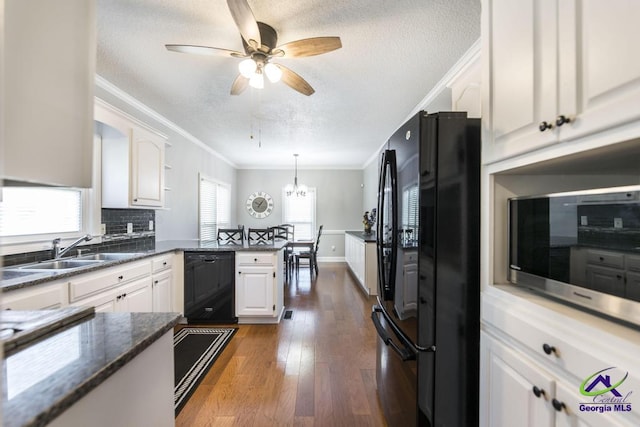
(49, 68)
(556, 71)
(132, 161)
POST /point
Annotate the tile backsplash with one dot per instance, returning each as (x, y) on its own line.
(115, 240)
(116, 220)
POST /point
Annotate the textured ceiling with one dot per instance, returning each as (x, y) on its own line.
(394, 52)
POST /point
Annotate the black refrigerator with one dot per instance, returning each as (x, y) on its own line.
(428, 243)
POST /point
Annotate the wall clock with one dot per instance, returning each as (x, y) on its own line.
(259, 204)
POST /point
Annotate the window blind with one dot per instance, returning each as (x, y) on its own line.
(37, 210)
(301, 212)
(215, 208)
(410, 208)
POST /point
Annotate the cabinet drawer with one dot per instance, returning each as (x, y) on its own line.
(410, 257)
(36, 298)
(633, 263)
(579, 353)
(161, 263)
(89, 284)
(604, 258)
(254, 258)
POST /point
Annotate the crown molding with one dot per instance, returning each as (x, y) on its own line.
(468, 59)
(123, 96)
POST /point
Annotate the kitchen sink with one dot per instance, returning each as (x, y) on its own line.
(108, 256)
(59, 265)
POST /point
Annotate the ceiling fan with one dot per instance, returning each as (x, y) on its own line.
(259, 41)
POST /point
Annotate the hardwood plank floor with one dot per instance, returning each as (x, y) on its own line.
(315, 369)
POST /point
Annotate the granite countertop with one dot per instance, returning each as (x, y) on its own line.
(371, 237)
(45, 378)
(38, 277)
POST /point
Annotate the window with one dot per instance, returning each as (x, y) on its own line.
(215, 208)
(301, 212)
(40, 210)
(410, 208)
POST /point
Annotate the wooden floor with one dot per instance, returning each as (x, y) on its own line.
(316, 369)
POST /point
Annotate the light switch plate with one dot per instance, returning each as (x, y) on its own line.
(103, 229)
(617, 222)
(129, 227)
(150, 225)
(583, 220)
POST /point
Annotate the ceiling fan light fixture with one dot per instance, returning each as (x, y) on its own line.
(257, 81)
(247, 67)
(273, 72)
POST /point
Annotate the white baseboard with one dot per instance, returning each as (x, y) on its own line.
(331, 259)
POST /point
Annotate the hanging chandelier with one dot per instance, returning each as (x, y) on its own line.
(295, 189)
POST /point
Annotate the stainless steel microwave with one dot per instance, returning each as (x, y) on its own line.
(580, 247)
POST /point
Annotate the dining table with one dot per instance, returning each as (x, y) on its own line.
(297, 246)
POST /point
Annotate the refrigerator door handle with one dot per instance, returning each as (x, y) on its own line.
(404, 353)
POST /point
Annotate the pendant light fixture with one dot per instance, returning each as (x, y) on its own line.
(295, 189)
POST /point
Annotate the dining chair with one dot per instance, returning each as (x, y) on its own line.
(290, 231)
(260, 236)
(311, 255)
(283, 232)
(230, 236)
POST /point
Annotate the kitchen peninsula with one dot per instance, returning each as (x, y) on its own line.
(92, 372)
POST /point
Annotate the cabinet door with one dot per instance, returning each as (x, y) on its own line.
(136, 297)
(607, 280)
(162, 292)
(104, 302)
(522, 60)
(255, 291)
(599, 78)
(632, 287)
(508, 384)
(49, 70)
(410, 283)
(147, 168)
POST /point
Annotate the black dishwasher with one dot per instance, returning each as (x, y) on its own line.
(209, 287)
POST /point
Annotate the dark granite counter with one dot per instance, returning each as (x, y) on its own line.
(26, 279)
(369, 238)
(45, 378)
(213, 246)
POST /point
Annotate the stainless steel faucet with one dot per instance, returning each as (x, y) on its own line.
(57, 253)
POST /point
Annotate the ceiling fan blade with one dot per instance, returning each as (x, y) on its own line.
(203, 50)
(245, 21)
(294, 81)
(239, 85)
(310, 47)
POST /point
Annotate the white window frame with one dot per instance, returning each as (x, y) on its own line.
(216, 224)
(38, 242)
(311, 192)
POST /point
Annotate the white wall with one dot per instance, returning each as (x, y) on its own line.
(187, 159)
(339, 195)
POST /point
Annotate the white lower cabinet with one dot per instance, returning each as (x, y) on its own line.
(535, 365)
(123, 288)
(510, 382)
(132, 297)
(162, 283)
(361, 259)
(259, 287)
(255, 292)
(48, 296)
